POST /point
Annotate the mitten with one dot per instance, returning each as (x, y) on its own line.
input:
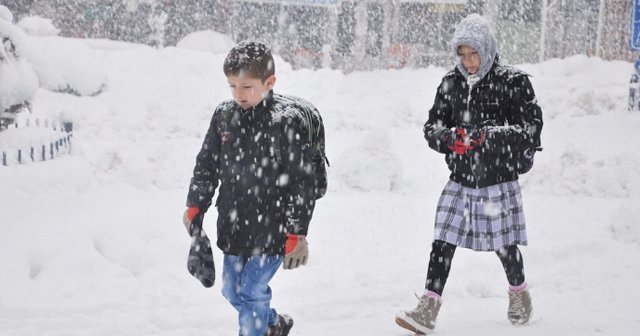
(191, 217)
(296, 251)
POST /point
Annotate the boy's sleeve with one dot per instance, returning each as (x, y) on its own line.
(438, 125)
(525, 121)
(205, 173)
(299, 176)
(320, 160)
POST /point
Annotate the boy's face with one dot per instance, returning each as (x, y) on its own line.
(470, 58)
(248, 91)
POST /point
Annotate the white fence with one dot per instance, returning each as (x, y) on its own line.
(34, 140)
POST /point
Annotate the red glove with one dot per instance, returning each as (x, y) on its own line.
(189, 215)
(296, 251)
(290, 244)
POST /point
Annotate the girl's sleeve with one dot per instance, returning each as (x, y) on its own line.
(437, 129)
(525, 121)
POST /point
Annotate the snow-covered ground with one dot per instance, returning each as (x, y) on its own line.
(92, 243)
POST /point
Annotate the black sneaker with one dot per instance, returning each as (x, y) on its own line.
(285, 323)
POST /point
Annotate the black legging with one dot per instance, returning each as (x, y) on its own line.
(442, 254)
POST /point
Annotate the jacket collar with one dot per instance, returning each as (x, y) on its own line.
(487, 77)
(259, 109)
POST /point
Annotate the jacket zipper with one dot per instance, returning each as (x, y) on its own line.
(473, 158)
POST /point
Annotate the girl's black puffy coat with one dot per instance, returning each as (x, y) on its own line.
(503, 105)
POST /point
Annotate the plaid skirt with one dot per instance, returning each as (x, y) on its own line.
(484, 219)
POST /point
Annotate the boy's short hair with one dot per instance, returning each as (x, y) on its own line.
(250, 58)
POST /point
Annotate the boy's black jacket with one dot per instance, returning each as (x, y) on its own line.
(265, 161)
(502, 104)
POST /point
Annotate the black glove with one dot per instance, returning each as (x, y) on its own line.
(448, 137)
(200, 261)
(476, 136)
(525, 159)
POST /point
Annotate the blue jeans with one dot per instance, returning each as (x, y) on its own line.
(245, 284)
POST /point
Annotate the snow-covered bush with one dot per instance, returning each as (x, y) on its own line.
(33, 53)
(18, 82)
(6, 14)
(38, 26)
(64, 65)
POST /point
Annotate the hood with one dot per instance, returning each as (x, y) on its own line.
(474, 31)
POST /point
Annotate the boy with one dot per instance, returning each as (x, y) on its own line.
(266, 152)
(486, 121)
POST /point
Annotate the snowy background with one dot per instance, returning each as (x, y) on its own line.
(92, 243)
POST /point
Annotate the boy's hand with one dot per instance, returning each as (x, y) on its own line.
(296, 252)
(191, 215)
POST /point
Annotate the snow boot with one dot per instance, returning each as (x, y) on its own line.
(282, 328)
(520, 309)
(422, 319)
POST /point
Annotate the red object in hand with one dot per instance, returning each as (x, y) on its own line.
(290, 244)
(192, 212)
(459, 146)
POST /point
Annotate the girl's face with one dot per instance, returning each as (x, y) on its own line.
(470, 58)
(248, 91)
